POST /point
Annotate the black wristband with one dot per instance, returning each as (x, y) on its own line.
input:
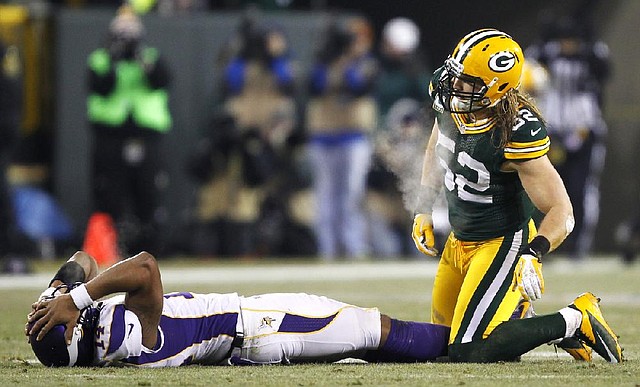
(539, 246)
(69, 273)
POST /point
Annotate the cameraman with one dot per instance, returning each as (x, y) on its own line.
(245, 155)
(341, 115)
(129, 113)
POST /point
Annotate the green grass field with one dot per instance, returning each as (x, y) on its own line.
(401, 289)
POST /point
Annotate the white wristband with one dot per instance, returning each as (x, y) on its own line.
(81, 297)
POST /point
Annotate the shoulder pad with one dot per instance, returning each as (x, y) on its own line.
(433, 83)
(436, 104)
(100, 61)
(529, 139)
(150, 54)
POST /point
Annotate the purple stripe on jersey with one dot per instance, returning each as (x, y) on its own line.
(297, 324)
(117, 329)
(182, 333)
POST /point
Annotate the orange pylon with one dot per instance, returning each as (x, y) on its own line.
(101, 239)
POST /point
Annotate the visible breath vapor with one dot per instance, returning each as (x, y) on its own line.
(402, 148)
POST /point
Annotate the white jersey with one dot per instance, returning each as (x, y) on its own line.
(200, 329)
(194, 328)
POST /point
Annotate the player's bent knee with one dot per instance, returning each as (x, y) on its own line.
(481, 351)
(464, 353)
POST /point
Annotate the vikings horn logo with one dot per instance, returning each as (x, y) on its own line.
(266, 322)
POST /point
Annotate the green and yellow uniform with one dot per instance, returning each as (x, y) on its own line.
(490, 215)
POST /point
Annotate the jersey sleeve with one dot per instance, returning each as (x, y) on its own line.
(529, 139)
(119, 334)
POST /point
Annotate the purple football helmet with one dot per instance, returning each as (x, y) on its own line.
(53, 351)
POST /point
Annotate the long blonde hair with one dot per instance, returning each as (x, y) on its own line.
(506, 113)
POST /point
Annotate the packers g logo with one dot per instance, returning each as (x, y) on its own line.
(502, 61)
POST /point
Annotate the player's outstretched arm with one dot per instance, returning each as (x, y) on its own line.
(138, 277)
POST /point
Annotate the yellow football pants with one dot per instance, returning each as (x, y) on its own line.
(473, 290)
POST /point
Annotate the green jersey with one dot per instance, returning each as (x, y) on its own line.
(485, 202)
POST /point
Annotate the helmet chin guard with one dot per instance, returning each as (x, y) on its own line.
(73, 347)
(459, 101)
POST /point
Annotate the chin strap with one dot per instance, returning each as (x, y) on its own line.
(72, 348)
(493, 82)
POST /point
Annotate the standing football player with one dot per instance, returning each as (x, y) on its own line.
(143, 327)
(488, 149)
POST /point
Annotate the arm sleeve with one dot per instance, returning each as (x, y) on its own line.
(159, 76)
(102, 75)
(529, 138)
(359, 76)
(234, 76)
(119, 334)
(433, 84)
(282, 71)
(318, 81)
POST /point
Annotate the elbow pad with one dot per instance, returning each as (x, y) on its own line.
(569, 224)
(69, 273)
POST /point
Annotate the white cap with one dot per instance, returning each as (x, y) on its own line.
(402, 34)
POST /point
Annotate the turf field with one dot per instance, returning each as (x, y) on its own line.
(401, 289)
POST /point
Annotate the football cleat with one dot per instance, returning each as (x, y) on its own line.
(576, 348)
(594, 330)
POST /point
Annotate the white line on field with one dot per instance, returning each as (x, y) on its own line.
(262, 273)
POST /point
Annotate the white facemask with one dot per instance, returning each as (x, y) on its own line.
(458, 104)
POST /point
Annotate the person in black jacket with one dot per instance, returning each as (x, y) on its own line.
(10, 114)
(578, 66)
(128, 110)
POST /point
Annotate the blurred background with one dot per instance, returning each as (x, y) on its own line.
(249, 84)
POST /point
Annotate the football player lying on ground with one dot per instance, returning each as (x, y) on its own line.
(145, 327)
